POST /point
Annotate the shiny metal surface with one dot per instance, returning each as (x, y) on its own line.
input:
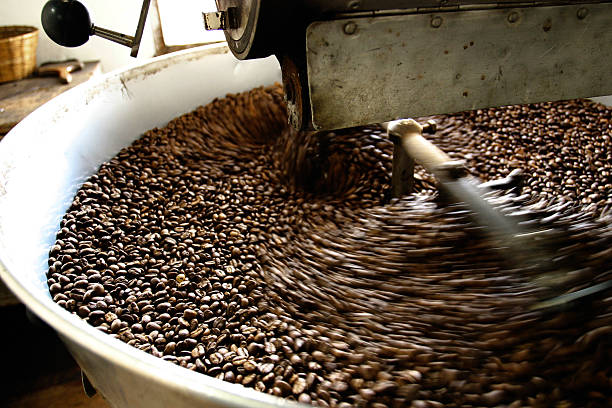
(243, 30)
(45, 158)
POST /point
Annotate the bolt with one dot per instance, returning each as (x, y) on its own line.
(354, 5)
(430, 127)
(513, 17)
(350, 28)
(582, 13)
(436, 21)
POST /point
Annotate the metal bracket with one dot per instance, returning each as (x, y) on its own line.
(221, 20)
(402, 175)
(124, 39)
(144, 11)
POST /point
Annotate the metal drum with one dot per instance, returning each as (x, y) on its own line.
(45, 159)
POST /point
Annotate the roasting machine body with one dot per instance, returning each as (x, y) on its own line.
(355, 62)
(348, 63)
(342, 63)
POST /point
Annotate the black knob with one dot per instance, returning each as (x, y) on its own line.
(66, 22)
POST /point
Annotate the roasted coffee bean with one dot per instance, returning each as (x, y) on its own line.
(266, 368)
(230, 244)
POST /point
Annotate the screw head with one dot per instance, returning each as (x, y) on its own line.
(354, 5)
(582, 12)
(513, 17)
(350, 28)
(436, 21)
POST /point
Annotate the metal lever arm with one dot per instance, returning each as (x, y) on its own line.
(451, 174)
(525, 249)
(67, 22)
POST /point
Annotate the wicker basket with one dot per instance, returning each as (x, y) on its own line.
(17, 52)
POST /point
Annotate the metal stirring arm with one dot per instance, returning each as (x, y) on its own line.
(526, 248)
(451, 174)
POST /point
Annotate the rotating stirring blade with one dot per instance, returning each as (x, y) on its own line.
(528, 250)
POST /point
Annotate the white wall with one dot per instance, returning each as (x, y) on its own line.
(118, 15)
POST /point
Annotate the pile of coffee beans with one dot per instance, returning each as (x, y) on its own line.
(233, 246)
(563, 148)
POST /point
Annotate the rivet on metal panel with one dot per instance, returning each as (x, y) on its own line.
(354, 5)
(350, 28)
(513, 17)
(582, 13)
(436, 21)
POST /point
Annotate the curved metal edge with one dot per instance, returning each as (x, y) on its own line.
(105, 347)
(242, 46)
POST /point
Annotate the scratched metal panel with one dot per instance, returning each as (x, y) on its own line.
(371, 70)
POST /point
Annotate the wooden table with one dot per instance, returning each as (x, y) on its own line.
(20, 98)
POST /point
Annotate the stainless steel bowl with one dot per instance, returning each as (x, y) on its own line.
(45, 159)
